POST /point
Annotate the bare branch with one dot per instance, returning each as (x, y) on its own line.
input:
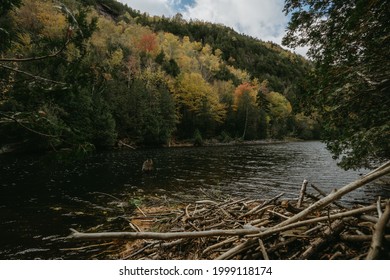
(13, 59)
(26, 127)
(378, 236)
(31, 75)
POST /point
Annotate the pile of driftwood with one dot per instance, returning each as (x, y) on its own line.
(314, 226)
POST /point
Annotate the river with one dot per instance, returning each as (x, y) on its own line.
(42, 198)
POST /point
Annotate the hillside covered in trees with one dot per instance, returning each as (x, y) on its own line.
(92, 74)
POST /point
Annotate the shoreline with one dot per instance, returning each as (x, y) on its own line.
(216, 143)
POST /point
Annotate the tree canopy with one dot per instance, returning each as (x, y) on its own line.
(350, 86)
(93, 74)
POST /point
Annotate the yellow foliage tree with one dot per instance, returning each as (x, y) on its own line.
(195, 94)
(280, 107)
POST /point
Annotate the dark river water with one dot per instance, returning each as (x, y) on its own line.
(40, 198)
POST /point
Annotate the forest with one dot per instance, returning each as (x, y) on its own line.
(85, 75)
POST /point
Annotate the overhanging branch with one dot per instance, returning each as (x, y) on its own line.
(19, 122)
(32, 75)
(36, 58)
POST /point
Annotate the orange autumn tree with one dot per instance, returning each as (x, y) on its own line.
(245, 103)
(148, 43)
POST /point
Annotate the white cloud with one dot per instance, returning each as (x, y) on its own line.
(263, 19)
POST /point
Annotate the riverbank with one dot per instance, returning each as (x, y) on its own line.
(216, 143)
(313, 226)
(48, 196)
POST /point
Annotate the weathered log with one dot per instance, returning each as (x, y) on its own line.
(121, 143)
(336, 255)
(237, 250)
(287, 205)
(360, 238)
(282, 244)
(302, 193)
(220, 244)
(321, 192)
(139, 251)
(159, 236)
(335, 229)
(265, 203)
(378, 236)
(263, 250)
(369, 218)
(277, 228)
(378, 206)
(337, 194)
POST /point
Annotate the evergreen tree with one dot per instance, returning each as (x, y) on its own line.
(349, 44)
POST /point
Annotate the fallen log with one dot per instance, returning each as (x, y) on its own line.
(226, 228)
(322, 193)
(335, 229)
(337, 194)
(159, 236)
(263, 250)
(360, 238)
(277, 228)
(250, 232)
(220, 244)
(378, 236)
(237, 249)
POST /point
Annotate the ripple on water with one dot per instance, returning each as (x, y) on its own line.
(257, 172)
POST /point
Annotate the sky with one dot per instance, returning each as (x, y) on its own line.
(263, 19)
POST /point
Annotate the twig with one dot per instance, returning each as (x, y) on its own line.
(126, 145)
(263, 250)
(140, 250)
(324, 195)
(87, 247)
(106, 194)
(336, 255)
(302, 193)
(237, 249)
(378, 206)
(186, 211)
(261, 206)
(142, 212)
(278, 214)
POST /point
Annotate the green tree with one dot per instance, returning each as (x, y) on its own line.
(47, 98)
(349, 43)
(198, 104)
(279, 111)
(247, 110)
(7, 5)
